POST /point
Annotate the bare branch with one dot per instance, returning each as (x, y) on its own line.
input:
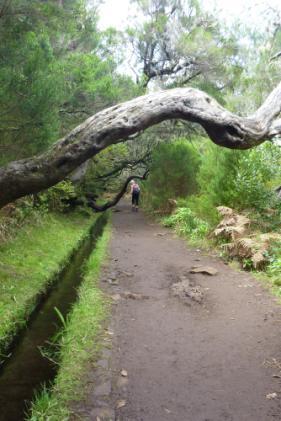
(120, 122)
(123, 165)
(276, 56)
(62, 111)
(119, 195)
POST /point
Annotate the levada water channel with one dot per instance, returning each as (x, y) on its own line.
(27, 369)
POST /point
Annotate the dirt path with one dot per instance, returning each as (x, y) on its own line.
(212, 360)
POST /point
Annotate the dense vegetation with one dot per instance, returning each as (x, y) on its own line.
(56, 69)
(245, 181)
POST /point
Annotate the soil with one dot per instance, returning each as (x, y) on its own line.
(168, 356)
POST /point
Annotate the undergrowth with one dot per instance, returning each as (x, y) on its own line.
(273, 270)
(79, 343)
(245, 180)
(197, 232)
(186, 223)
(30, 261)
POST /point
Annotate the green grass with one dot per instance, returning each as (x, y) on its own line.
(271, 278)
(186, 224)
(29, 263)
(80, 342)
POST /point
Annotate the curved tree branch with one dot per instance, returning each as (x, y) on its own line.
(119, 195)
(120, 122)
(275, 56)
(124, 165)
(152, 70)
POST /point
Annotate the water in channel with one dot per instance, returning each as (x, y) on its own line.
(27, 369)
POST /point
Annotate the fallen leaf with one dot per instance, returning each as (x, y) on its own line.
(276, 376)
(124, 373)
(121, 403)
(271, 395)
(167, 410)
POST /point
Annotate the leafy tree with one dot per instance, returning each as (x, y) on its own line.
(239, 179)
(178, 43)
(63, 49)
(52, 73)
(172, 173)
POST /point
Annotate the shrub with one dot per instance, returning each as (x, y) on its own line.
(187, 223)
(57, 197)
(274, 266)
(257, 168)
(217, 175)
(238, 179)
(172, 174)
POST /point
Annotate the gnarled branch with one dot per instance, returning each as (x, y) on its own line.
(132, 164)
(119, 195)
(120, 122)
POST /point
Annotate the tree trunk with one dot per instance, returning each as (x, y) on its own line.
(121, 122)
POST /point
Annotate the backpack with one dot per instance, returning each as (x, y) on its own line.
(136, 188)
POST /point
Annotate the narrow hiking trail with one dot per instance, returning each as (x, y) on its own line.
(213, 360)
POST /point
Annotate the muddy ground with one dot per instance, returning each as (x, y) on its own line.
(177, 357)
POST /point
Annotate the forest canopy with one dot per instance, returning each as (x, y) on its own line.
(58, 68)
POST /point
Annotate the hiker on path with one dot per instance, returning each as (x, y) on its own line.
(135, 192)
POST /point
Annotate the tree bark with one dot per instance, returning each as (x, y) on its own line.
(121, 122)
